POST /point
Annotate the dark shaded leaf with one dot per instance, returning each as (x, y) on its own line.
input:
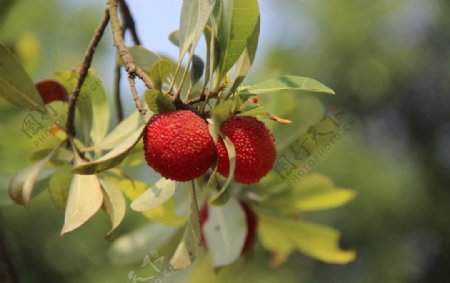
(158, 102)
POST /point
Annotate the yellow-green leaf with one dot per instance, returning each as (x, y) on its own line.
(84, 200)
(59, 186)
(283, 236)
(164, 214)
(155, 196)
(114, 202)
(22, 184)
(313, 192)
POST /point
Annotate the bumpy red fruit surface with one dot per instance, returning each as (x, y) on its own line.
(177, 145)
(255, 149)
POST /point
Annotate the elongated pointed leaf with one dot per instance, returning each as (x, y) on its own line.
(294, 83)
(283, 236)
(239, 21)
(22, 184)
(194, 16)
(100, 107)
(225, 232)
(188, 249)
(85, 199)
(313, 192)
(131, 248)
(15, 84)
(123, 130)
(160, 71)
(164, 214)
(155, 196)
(59, 186)
(246, 59)
(112, 158)
(114, 201)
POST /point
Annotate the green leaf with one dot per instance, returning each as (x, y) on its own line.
(196, 69)
(135, 157)
(155, 196)
(221, 113)
(225, 192)
(5, 199)
(60, 157)
(239, 21)
(158, 102)
(22, 184)
(282, 236)
(285, 83)
(213, 52)
(112, 158)
(246, 59)
(164, 214)
(257, 111)
(313, 192)
(174, 37)
(114, 202)
(143, 57)
(84, 200)
(189, 247)
(194, 16)
(100, 107)
(59, 186)
(123, 130)
(131, 248)
(92, 103)
(15, 84)
(161, 69)
(225, 232)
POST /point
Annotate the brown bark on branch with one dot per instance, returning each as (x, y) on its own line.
(85, 65)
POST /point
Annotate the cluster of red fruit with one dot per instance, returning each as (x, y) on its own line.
(178, 145)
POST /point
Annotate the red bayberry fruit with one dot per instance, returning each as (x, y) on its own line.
(51, 90)
(177, 145)
(252, 224)
(255, 149)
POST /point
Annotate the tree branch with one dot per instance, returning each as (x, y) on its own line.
(127, 60)
(85, 65)
(128, 24)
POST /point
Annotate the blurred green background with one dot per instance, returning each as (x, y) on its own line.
(389, 63)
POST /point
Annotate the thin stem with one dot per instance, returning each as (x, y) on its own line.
(172, 85)
(117, 98)
(127, 60)
(128, 24)
(183, 79)
(87, 60)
